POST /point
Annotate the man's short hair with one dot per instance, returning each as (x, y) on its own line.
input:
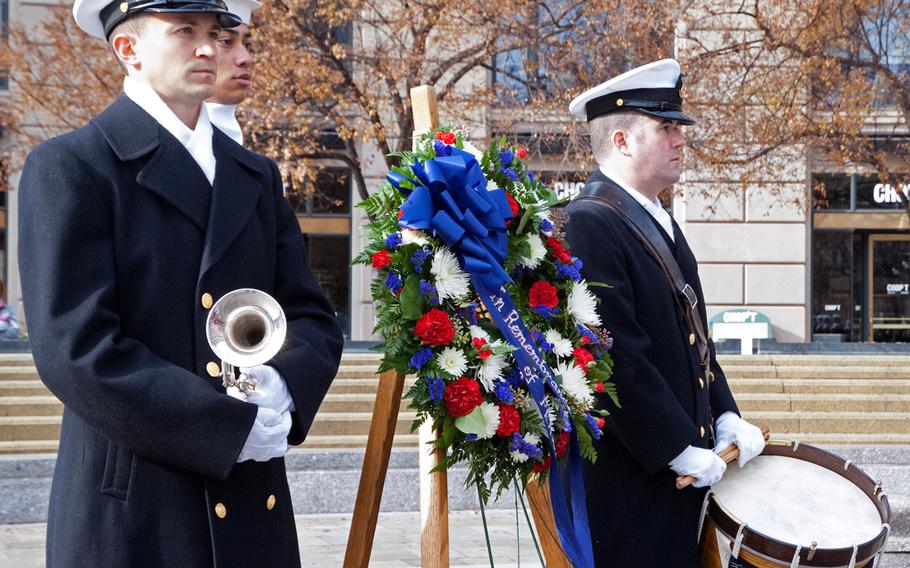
(132, 25)
(601, 127)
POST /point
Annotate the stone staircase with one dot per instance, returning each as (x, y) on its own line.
(820, 399)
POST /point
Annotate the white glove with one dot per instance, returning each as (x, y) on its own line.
(269, 436)
(731, 429)
(704, 465)
(270, 391)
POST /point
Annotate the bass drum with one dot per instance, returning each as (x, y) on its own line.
(794, 505)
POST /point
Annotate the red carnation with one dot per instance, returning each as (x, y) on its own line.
(598, 386)
(482, 352)
(509, 420)
(513, 205)
(582, 358)
(461, 397)
(521, 153)
(585, 339)
(381, 259)
(600, 423)
(542, 465)
(543, 294)
(562, 444)
(434, 328)
(558, 250)
(445, 137)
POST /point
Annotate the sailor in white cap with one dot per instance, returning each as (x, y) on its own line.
(235, 73)
(131, 229)
(677, 408)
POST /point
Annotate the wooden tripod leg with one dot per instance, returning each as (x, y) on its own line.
(375, 465)
(434, 502)
(538, 495)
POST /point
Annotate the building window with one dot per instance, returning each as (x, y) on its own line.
(324, 216)
(843, 192)
(838, 267)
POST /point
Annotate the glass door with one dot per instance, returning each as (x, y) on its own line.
(889, 288)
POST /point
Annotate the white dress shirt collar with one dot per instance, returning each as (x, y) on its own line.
(653, 207)
(224, 118)
(198, 142)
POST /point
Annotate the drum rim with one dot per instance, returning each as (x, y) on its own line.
(759, 543)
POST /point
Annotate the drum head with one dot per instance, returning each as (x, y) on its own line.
(798, 502)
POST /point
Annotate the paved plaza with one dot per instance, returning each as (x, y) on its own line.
(397, 543)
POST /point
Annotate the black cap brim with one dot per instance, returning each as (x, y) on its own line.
(116, 13)
(676, 115)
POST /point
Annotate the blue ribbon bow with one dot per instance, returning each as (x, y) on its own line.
(450, 197)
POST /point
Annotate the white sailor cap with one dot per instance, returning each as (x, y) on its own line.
(652, 89)
(243, 9)
(99, 17)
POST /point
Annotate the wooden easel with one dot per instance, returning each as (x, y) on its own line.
(434, 500)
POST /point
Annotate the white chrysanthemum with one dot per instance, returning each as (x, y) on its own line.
(562, 347)
(538, 252)
(472, 149)
(490, 418)
(519, 457)
(452, 361)
(451, 281)
(477, 331)
(412, 237)
(574, 384)
(581, 304)
(491, 368)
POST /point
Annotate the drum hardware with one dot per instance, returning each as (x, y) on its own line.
(728, 455)
(245, 328)
(778, 443)
(877, 488)
(812, 550)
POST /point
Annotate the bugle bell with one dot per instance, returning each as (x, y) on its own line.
(245, 328)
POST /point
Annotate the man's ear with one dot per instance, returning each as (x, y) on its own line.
(124, 46)
(620, 142)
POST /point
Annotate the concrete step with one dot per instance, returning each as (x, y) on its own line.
(23, 388)
(357, 423)
(761, 402)
(349, 441)
(30, 406)
(21, 428)
(830, 386)
(17, 372)
(29, 447)
(17, 359)
(833, 422)
(818, 372)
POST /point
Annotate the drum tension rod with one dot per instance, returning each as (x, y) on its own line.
(812, 550)
(877, 488)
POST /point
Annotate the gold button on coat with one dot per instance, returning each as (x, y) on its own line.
(124, 7)
(270, 502)
(213, 368)
(207, 301)
(220, 510)
(701, 383)
(620, 102)
(709, 334)
(711, 376)
(691, 339)
(701, 431)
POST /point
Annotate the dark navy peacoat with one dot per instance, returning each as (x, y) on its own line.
(121, 235)
(637, 516)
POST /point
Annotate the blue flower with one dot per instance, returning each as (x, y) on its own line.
(586, 332)
(515, 379)
(568, 271)
(393, 240)
(545, 312)
(545, 225)
(428, 291)
(503, 392)
(421, 358)
(437, 386)
(593, 424)
(420, 256)
(470, 437)
(507, 157)
(509, 172)
(469, 313)
(519, 444)
(541, 340)
(393, 283)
